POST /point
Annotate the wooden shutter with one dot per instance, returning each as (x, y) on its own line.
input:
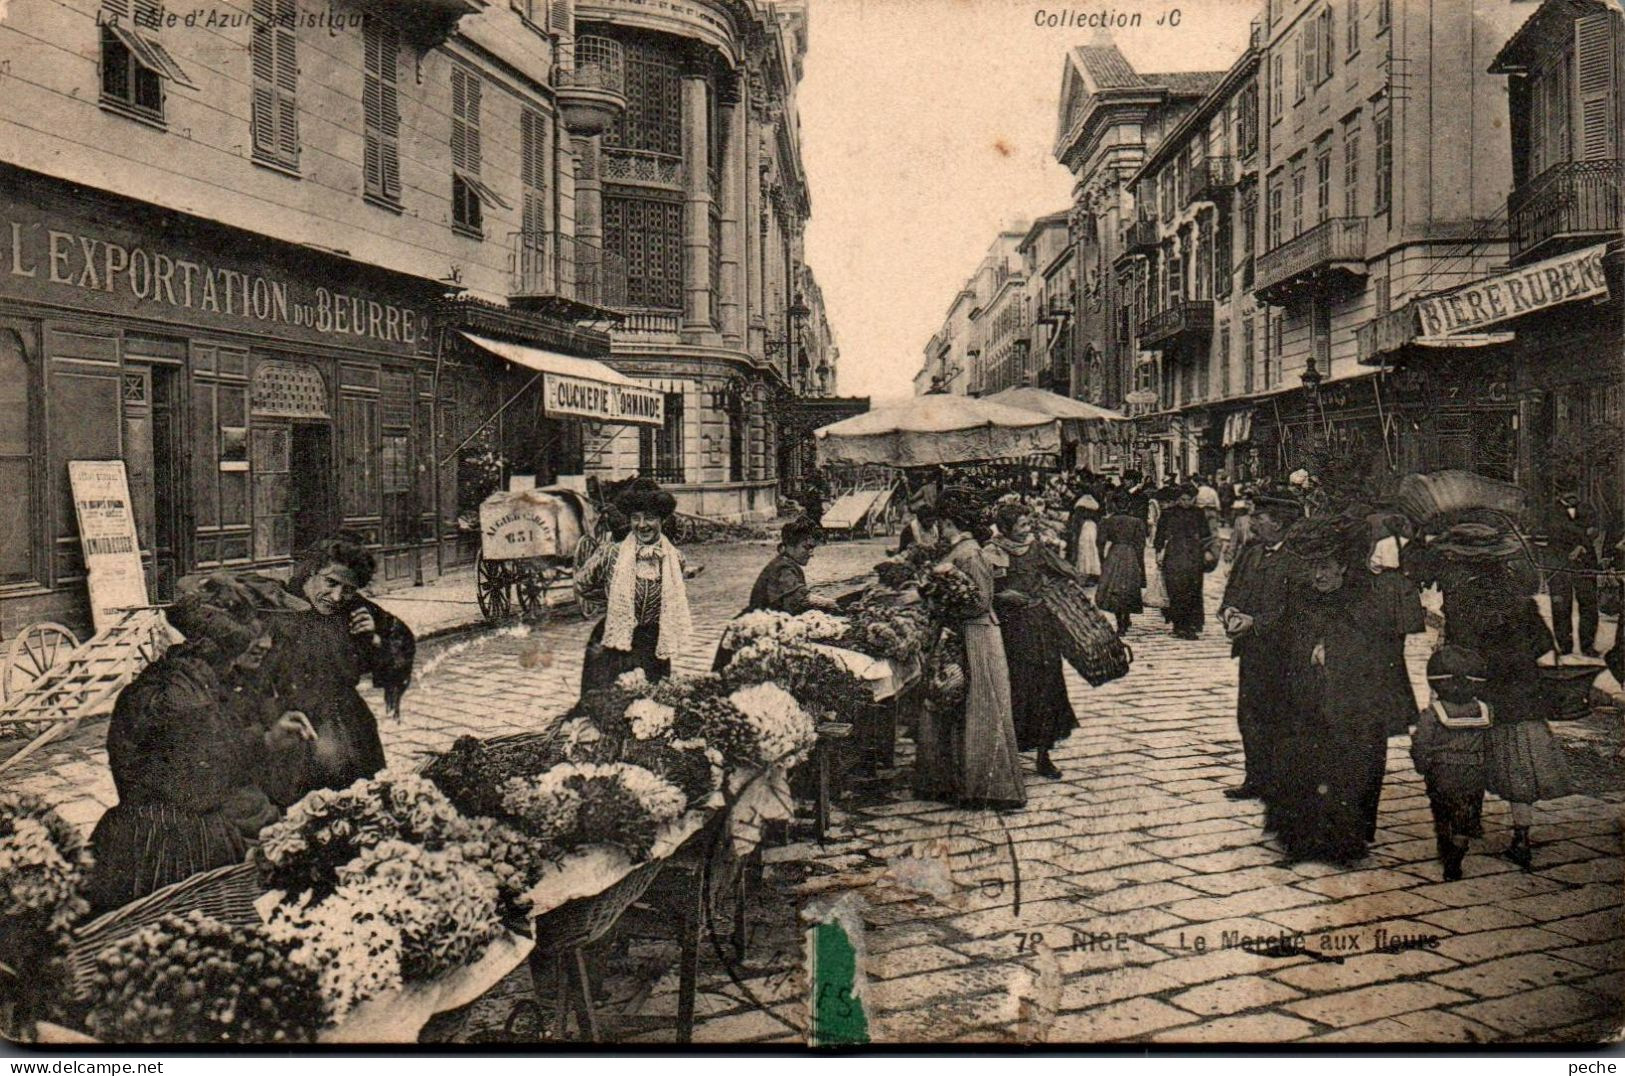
(560, 18)
(465, 121)
(533, 171)
(1596, 133)
(381, 106)
(274, 59)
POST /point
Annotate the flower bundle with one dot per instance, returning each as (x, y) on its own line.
(953, 595)
(896, 572)
(888, 631)
(43, 866)
(327, 829)
(354, 953)
(194, 979)
(470, 773)
(443, 903)
(819, 682)
(766, 624)
(945, 688)
(577, 804)
(780, 731)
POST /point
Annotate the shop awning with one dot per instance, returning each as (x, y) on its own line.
(581, 388)
(938, 429)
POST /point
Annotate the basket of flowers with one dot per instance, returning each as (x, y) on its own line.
(43, 867)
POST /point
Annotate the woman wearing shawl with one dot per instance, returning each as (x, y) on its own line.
(319, 660)
(1041, 711)
(1083, 533)
(1322, 801)
(976, 761)
(191, 742)
(646, 620)
(1122, 559)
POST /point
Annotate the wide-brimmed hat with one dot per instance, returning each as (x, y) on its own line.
(222, 607)
(1340, 538)
(645, 495)
(1477, 541)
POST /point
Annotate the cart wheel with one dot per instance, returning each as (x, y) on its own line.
(33, 654)
(530, 585)
(492, 579)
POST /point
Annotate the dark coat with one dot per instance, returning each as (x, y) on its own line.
(1122, 564)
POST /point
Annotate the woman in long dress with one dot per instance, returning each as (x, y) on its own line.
(1322, 803)
(984, 760)
(1182, 543)
(1122, 560)
(1083, 532)
(1040, 709)
(646, 620)
(320, 658)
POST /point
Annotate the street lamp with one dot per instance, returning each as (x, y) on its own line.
(1311, 379)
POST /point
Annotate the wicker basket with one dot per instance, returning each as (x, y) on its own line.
(586, 919)
(225, 893)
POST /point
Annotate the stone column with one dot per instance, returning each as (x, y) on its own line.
(733, 210)
(696, 205)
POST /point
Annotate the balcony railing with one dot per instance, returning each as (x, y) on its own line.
(591, 80)
(1330, 250)
(650, 323)
(565, 269)
(1565, 205)
(1193, 317)
(1210, 179)
(1141, 236)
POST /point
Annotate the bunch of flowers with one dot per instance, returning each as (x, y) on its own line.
(888, 631)
(43, 867)
(355, 953)
(472, 771)
(817, 680)
(953, 595)
(946, 686)
(578, 804)
(896, 572)
(775, 728)
(327, 829)
(766, 624)
(194, 979)
(442, 903)
(515, 859)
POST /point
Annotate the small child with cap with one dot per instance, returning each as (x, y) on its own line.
(1448, 750)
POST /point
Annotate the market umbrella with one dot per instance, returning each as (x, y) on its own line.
(1075, 415)
(937, 429)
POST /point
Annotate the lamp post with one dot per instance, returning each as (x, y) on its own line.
(1312, 379)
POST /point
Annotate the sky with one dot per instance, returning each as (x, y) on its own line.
(928, 125)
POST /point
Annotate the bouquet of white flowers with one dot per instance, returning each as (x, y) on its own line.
(576, 804)
(810, 627)
(43, 868)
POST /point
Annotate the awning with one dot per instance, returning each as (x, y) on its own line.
(938, 429)
(583, 388)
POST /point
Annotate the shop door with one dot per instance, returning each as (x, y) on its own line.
(310, 486)
(152, 462)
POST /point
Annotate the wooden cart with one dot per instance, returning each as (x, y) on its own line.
(529, 546)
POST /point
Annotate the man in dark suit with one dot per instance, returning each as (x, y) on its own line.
(1572, 533)
(1254, 602)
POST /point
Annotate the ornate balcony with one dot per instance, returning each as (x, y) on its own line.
(1568, 205)
(591, 83)
(565, 276)
(1330, 254)
(1211, 180)
(1190, 319)
(1141, 236)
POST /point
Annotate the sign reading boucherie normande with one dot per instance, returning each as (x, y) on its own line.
(603, 401)
(1534, 287)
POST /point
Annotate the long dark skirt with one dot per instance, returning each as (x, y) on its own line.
(143, 848)
(1038, 702)
(1184, 596)
(1122, 578)
(601, 666)
(1322, 803)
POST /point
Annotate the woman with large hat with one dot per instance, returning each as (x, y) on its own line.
(646, 620)
(194, 743)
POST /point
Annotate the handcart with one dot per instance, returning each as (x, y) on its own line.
(529, 541)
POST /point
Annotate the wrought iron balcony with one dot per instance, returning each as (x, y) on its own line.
(1184, 320)
(567, 276)
(591, 83)
(1141, 236)
(1211, 179)
(1567, 205)
(1329, 254)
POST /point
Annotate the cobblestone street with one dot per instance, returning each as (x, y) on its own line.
(1111, 908)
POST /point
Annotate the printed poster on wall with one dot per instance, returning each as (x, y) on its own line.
(101, 500)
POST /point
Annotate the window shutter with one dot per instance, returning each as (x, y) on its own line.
(262, 53)
(560, 18)
(287, 80)
(465, 121)
(472, 133)
(1596, 87)
(381, 108)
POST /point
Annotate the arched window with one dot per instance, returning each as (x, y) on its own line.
(17, 464)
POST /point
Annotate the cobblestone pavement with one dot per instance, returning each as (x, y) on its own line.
(1107, 910)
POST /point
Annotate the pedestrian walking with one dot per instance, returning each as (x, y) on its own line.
(1122, 560)
(1041, 711)
(1184, 547)
(1488, 607)
(646, 621)
(1322, 802)
(1252, 611)
(1572, 533)
(1448, 751)
(1083, 533)
(1241, 530)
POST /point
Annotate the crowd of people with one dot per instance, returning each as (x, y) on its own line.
(259, 706)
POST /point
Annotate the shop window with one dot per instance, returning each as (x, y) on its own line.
(274, 58)
(134, 65)
(17, 464)
(380, 100)
(660, 451)
(647, 233)
(653, 120)
(221, 467)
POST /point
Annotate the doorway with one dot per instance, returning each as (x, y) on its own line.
(310, 487)
(152, 462)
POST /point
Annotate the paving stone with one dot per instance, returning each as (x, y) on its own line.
(1358, 971)
(1478, 917)
(1598, 926)
(1136, 1018)
(1141, 896)
(1236, 881)
(1587, 898)
(1358, 882)
(1117, 984)
(1609, 954)
(1492, 944)
(1233, 995)
(1267, 1027)
(1531, 1014)
(1249, 902)
(1352, 1007)
(1370, 908)
(914, 959)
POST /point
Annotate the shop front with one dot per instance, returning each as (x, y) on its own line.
(261, 396)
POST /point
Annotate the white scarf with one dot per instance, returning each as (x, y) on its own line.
(621, 615)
